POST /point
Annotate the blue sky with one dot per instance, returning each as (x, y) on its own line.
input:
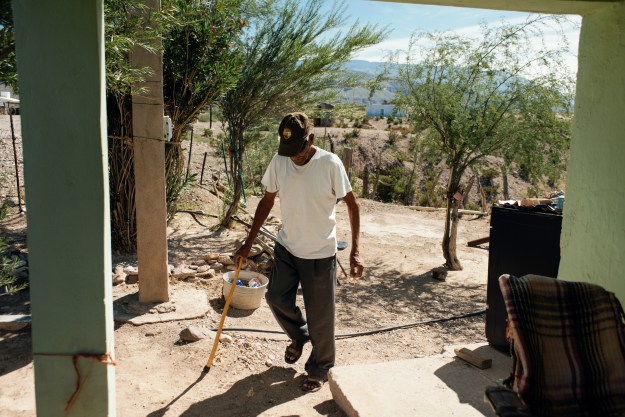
(404, 19)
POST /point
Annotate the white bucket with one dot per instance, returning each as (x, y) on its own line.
(245, 298)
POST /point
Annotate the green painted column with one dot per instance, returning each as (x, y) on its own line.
(60, 56)
(593, 231)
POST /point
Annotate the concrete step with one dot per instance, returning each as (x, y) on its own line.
(441, 385)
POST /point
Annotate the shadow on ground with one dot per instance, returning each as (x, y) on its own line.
(251, 396)
(16, 348)
(456, 374)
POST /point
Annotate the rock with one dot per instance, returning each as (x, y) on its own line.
(203, 268)
(211, 257)
(119, 279)
(439, 274)
(164, 308)
(131, 270)
(119, 269)
(182, 272)
(208, 274)
(251, 265)
(132, 279)
(226, 338)
(193, 267)
(250, 393)
(231, 267)
(268, 363)
(200, 262)
(263, 257)
(225, 259)
(192, 279)
(195, 333)
(217, 266)
(20, 273)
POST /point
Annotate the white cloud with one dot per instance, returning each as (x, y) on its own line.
(551, 38)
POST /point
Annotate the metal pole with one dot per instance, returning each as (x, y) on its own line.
(223, 152)
(17, 170)
(203, 164)
(190, 149)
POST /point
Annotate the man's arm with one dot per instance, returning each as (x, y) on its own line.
(262, 212)
(356, 266)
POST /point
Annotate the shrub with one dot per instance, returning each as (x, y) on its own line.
(204, 117)
(9, 283)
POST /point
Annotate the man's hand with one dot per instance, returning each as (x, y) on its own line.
(242, 252)
(356, 267)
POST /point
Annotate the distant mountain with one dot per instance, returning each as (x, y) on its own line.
(371, 68)
(367, 70)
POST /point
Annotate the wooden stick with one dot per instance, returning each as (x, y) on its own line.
(233, 285)
(476, 242)
(473, 358)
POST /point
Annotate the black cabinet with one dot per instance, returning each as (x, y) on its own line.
(522, 242)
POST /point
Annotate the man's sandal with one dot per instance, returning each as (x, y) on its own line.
(312, 384)
(293, 352)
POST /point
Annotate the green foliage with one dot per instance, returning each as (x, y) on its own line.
(394, 186)
(8, 69)
(288, 64)
(393, 135)
(261, 148)
(199, 62)
(125, 29)
(493, 95)
(9, 283)
(203, 117)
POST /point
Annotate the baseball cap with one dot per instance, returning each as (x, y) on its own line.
(293, 131)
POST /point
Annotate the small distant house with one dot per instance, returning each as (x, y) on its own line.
(324, 113)
(9, 104)
(382, 110)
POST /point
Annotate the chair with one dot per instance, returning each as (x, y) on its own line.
(568, 347)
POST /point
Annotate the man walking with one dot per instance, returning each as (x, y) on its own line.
(310, 181)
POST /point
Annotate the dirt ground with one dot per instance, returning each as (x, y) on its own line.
(157, 375)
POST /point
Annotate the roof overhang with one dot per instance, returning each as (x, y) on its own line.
(9, 100)
(580, 7)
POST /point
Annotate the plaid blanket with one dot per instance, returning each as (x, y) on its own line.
(569, 346)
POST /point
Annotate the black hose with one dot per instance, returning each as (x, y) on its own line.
(370, 332)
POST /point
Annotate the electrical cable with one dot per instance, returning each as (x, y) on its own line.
(370, 332)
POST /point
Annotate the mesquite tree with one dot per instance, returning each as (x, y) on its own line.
(292, 61)
(199, 64)
(491, 96)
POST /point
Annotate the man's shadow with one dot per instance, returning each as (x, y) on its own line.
(250, 396)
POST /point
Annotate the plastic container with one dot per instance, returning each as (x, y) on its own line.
(245, 298)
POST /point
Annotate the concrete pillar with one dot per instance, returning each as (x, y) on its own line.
(150, 193)
(60, 56)
(593, 229)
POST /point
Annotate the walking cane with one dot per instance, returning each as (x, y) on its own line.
(223, 318)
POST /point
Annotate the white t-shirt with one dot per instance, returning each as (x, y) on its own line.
(308, 195)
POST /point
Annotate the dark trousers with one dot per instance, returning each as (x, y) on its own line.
(318, 280)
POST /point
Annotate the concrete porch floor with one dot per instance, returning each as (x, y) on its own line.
(441, 385)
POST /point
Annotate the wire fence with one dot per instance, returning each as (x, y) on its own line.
(8, 154)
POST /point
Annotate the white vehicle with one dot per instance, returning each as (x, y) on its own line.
(11, 105)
